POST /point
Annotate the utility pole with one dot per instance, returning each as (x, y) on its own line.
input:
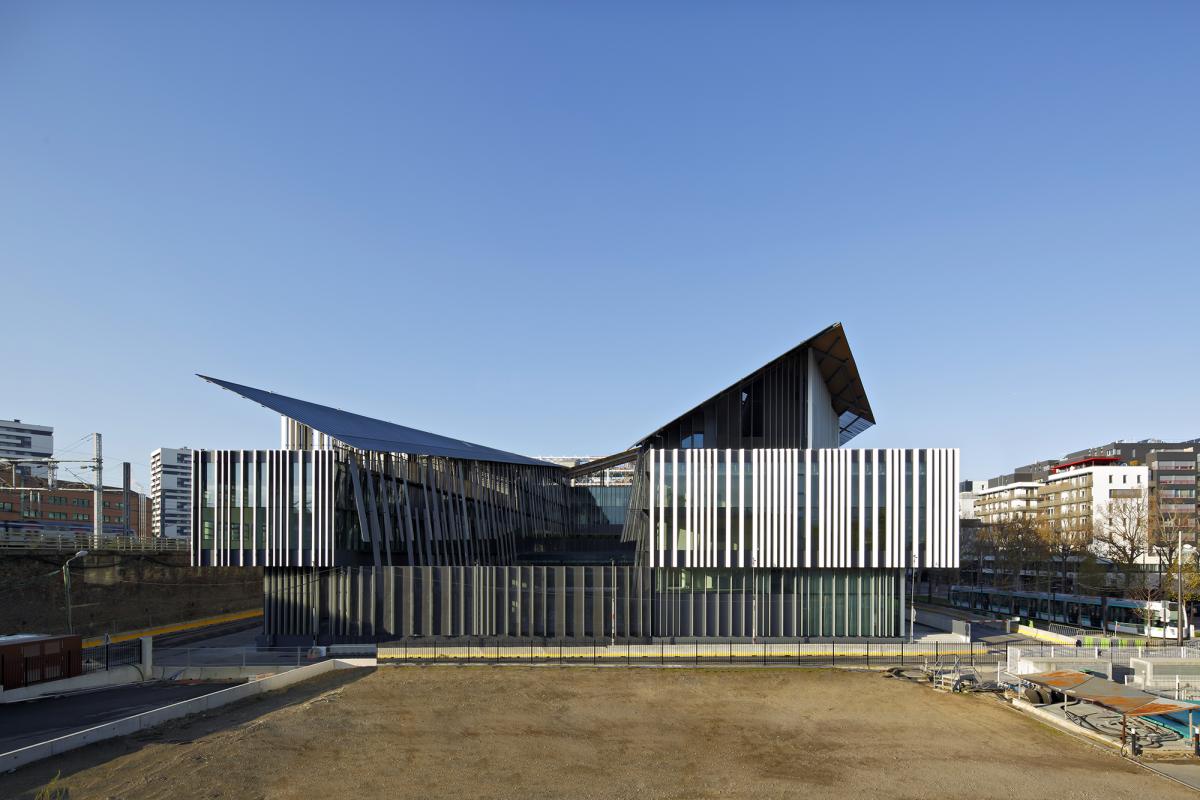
(1179, 590)
(125, 530)
(98, 495)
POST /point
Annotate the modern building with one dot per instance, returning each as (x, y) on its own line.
(68, 507)
(744, 517)
(22, 444)
(171, 492)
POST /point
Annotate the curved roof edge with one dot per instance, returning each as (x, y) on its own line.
(367, 433)
(835, 361)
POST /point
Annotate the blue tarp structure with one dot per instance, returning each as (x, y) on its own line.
(366, 433)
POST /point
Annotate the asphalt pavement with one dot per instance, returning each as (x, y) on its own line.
(33, 721)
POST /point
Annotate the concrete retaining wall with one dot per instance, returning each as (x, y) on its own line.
(114, 592)
(149, 719)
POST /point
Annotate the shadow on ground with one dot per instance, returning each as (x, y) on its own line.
(25, 782)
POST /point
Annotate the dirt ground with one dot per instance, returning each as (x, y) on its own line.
(536, 732)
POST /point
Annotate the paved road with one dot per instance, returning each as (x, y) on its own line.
(23, 724)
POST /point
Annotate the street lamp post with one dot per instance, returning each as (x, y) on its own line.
(912, 601)
(1179, 591)
(66, 571)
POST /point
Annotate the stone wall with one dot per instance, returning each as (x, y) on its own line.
(113, 592)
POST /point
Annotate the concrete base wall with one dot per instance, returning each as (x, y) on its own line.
(117, 676)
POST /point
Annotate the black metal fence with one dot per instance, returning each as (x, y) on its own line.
(775, 652)
(108, 656)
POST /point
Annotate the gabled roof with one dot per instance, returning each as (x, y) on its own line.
(836, 364)
(367, 433)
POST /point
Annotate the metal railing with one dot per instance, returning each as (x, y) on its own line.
(187, 657)
(1178, 687)
(740, 652)
(109, 656)
(73, 542)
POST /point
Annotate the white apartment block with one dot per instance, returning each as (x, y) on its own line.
(1007, 502)
(20, 440)
(171, 492)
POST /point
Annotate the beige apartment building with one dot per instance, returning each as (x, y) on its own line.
(1076, 495)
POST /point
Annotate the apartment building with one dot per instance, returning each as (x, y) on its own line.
(1076, 495)
(171, 492)
(1173, 476)
(68, 507)
(968, 495)
(1012, 496)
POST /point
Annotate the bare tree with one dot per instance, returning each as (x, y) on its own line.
(1015, 547)
(1147, 595)
(1168, 532)
(1183, 574)
(1121, 533)
(1062, 544)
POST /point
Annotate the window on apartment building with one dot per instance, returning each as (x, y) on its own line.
(81, 517)
(6, 506)
(56, 515)
(79, 501)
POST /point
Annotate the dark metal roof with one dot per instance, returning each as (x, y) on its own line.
(366, 433)
(836, 364)
(597, 464)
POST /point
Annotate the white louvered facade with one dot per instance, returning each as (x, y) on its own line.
(811, 509)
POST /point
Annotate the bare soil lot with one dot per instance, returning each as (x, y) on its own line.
(525, 732)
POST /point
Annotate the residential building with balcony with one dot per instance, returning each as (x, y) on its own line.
(1075, 497)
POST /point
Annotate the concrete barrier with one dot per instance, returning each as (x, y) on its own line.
(944, 622)
(1045, 636)
(117, 676)
(123, 727)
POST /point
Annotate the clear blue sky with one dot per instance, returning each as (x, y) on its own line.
(549, 227)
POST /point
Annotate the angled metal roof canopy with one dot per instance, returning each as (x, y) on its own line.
(836, 364)
(366, 433)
